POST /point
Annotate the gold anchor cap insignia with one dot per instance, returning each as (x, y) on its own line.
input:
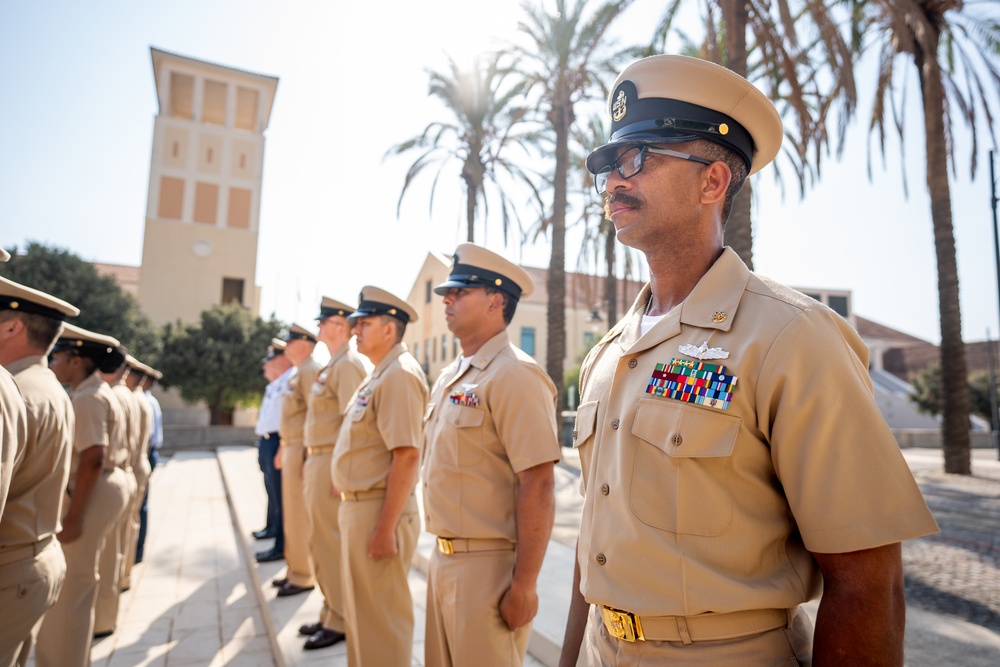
(619, 108)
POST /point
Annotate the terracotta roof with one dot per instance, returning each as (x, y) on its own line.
(870, 329)
(582, 290)
(122, 274)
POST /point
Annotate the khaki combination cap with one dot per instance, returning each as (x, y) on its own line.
(106, 351)
(4, 255)
(14, 296)
(276, 347)
(376, 301)
(675, 99)
(299, 332)
(333, 308)
(475, 266)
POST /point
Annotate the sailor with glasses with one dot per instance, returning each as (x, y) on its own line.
(734, 462)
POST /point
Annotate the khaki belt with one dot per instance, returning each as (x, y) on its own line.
(319, 449)
(362, 495)
(461, 545)
(626, 626)
(27, 551)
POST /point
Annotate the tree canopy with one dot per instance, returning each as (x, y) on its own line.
(104, 308)
(217, 360)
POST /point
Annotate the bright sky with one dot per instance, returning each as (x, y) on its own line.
(76, 130)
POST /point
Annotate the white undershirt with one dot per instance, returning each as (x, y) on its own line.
(649, 321)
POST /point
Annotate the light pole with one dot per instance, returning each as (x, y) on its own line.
(994, 416)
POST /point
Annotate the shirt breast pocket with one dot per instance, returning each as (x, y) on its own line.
(464, 422)
(680, 478)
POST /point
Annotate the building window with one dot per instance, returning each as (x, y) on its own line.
(171, 198)
(589, 338)
(444, 347)
(213, 106)
(206, 202)
(246, 109)
(528, 340)
(454, 347)
(238, 215)
(175, 149)
(232, 290)
(839, 305)
(429, 290)
(243, 160)
(427, 351)
(434, 350)
(181, 95)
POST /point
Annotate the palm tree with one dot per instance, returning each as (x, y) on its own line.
(954, 48)
(565, 62)
(798, 55)
(486, 102)
(599, 243)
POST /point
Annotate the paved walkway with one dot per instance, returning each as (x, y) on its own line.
(199, 599)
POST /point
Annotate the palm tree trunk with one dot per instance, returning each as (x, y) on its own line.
(611, 281)
(470, 211)
(561, 114)
(954, 373)
(739, 229)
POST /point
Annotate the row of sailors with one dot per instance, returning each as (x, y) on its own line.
(73, 479)
(353, 443)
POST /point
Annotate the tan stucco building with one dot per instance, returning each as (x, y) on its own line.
(203, 207)
(586, 319)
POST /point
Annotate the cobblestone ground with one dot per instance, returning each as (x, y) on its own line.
(957, 572)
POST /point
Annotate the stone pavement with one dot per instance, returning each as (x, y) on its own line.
(199, 599)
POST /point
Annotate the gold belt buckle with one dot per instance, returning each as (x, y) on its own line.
(445, 546)
(622, 625)
(343, 495)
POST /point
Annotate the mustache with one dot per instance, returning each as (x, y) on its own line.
(623, 198)
(620, 197)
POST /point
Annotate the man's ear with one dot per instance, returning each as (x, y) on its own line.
(716, 181)
(10, 328)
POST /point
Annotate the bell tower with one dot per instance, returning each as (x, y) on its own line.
(203, 208)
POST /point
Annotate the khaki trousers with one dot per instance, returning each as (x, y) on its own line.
(464, 626)
(28, 587)
(293, 506)
(782, 647)
(112, 564)
(68, 627)
(141, 472)
(324, 537)
(378, 608)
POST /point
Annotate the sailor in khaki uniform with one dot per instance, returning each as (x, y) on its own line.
(299, 345)
(490, 447)
(375, 469)
(734, 461)
(137, 373)
(95, 497)
(32, 566)
(13, 423)
(112, 564)
(328, 397)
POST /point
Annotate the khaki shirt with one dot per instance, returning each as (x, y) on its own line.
(496, 419)
(691, 508)
(13, 431)
(133, 424)
(385, 412)
(334, 387)
(296, 403)
(34, 506)
(145, 425)
(99, 421)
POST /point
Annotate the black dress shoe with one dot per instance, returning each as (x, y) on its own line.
(269, 555)
(263, 534)
(309, 629)
(278, 583)
(323, 638)
(104, 633)
(291, 589)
